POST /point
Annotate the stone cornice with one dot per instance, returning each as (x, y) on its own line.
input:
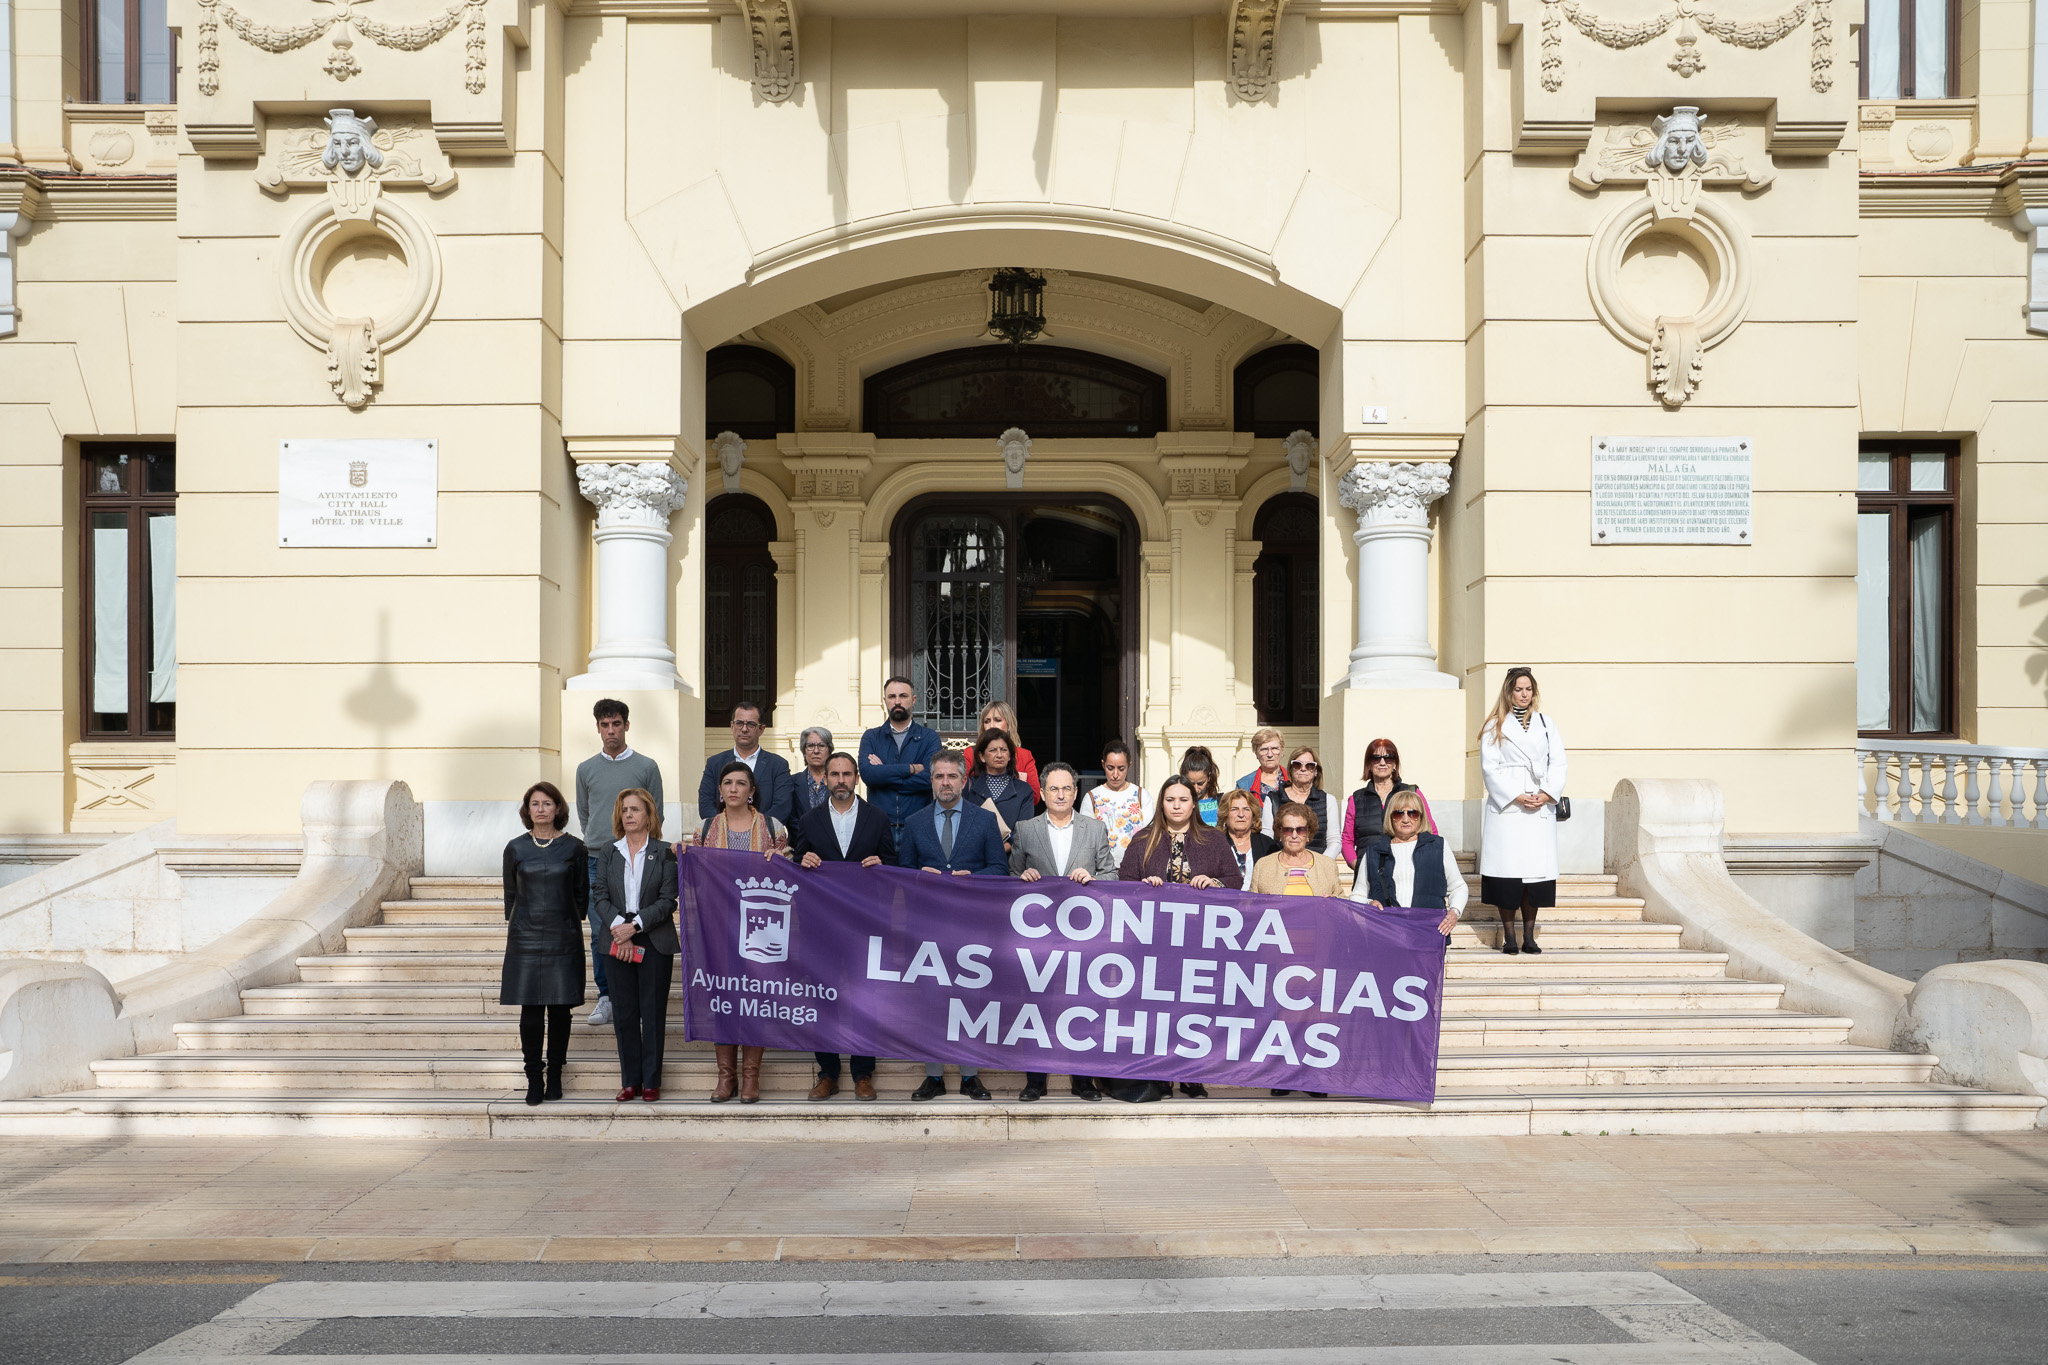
(1353, 447)
(57, 198)
(1978, 192)
(720, 9)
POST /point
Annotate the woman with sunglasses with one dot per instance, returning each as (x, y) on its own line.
(1296, 870)
(1303, 787)
(1364, 814)
(1412, 866)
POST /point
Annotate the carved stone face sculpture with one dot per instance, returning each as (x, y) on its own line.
(348, 142)
(1016, 450)
(1678, 140)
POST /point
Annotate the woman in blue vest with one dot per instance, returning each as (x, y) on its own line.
(1410, 866)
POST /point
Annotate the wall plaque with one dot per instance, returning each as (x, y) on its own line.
(357, 493)
(1671, 490)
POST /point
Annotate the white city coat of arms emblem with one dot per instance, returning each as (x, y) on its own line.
(764, 918)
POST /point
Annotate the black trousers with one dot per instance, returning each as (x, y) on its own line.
(828, 1066)
(640, 1015)
(554, 1021)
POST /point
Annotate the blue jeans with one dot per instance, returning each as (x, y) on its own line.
(598, 934)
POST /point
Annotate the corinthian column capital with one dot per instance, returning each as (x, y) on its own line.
(1386, 492)
(632, 494)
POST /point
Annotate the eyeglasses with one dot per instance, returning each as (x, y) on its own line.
(1382, 758)
(1305, 766)
(749, 725)
(1286, 830)
(815, 744)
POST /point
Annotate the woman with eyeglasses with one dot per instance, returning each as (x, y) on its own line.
(1364, 814)
(815, 744)
(1411, 867)
(1303, 787)
(1521, 759)
(1296, 870)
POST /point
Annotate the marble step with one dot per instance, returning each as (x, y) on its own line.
(1731, 1028)
(486, 888)
(490, 911)
(408, 999)
(490, 937)
(1462, 965)
(681, 1114)
(791, 1073)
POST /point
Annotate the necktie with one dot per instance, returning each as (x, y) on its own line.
(946, 835)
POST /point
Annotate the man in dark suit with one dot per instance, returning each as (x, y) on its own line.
(845, 829)
(776, 792)
(952, 836)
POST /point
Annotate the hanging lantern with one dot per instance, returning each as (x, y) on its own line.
(1016, 305)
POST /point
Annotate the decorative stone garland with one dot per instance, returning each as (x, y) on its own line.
(341, 63)
(1753, 34)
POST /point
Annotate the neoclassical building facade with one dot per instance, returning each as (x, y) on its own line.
(380, 384)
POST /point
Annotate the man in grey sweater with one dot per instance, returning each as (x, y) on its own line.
(599, 780)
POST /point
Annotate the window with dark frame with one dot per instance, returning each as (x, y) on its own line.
(1285, 605)
(132, 54)
(1909, 50)
(1906, 589)
(128, 551)
(739, 608)
(750, 391)
(1277, 391)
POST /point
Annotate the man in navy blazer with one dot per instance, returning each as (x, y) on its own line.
(845, 829)
(777, 792)
(952, 835)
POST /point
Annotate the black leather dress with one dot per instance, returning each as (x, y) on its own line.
(547, 899)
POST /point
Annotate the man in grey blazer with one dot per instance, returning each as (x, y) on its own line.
(1060, 843)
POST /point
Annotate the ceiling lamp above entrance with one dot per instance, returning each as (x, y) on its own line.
(1016, 310)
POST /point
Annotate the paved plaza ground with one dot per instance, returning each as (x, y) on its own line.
(310, 1199)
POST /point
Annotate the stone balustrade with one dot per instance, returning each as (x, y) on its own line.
(1952, 784)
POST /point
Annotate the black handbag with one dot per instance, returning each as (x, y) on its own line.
(1564, 809)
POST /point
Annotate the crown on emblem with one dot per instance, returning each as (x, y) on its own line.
(358, 466)
(759, 887)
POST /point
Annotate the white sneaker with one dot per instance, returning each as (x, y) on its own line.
(602, 1015)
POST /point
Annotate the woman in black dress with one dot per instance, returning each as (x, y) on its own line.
(547, 896)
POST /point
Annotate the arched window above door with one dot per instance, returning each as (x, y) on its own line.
(739, 608)
(1046, 390)
(748, 390)
(1286, 682)
(1278, 391)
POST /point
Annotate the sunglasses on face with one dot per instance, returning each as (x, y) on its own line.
(1382, 758)
(1286, 830)
(1407, 815)
(1305, 766)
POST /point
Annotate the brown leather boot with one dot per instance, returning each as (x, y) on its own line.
(750, 1074)
(728, 1072)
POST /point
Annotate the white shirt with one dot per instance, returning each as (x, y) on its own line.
(842, 825)
(620, 757)
(748, 759)
(1061, 837)
(634, 868)
(1456, 893)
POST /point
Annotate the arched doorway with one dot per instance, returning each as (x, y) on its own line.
(739, 608)
(1286, 684)
(1025, 598)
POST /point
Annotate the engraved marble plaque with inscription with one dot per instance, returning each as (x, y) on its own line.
(357, 493)
(1671, 490)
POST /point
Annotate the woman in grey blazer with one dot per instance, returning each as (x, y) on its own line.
(635, 900)
(1060, 843)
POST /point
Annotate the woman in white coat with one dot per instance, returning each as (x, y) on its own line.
(1521, 757)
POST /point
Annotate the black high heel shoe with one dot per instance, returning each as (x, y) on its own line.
(1194, 1091)
(1508, 944)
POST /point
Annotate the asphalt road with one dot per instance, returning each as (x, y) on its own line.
(1573, 1310)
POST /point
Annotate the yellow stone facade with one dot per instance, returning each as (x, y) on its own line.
(1451, 203)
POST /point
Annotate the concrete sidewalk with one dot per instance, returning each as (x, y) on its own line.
(250, 1199)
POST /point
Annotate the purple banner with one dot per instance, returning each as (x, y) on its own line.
(1109, 979)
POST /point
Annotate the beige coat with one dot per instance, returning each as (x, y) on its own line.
(1269, 878)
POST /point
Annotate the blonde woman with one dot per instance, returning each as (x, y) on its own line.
(1412, 866)
(1521, 758)
(635, 899)
(1000, 715)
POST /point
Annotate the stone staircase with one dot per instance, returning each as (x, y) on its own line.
(1614, 1027)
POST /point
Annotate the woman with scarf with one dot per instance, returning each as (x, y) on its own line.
(738, 826)
(1521, 759)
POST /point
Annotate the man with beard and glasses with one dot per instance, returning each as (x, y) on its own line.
(845, 829)
(896, 759)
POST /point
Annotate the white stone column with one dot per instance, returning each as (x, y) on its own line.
(1392, 501)
(631, 651)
